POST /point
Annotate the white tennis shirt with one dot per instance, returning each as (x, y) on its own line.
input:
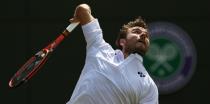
(108, 78)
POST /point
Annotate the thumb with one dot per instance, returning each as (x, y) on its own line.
(73, 20)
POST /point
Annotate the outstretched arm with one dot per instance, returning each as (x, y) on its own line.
(90, 26)
(82, 14)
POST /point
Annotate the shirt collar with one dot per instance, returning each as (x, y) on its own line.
(120, 56)
(139, 57)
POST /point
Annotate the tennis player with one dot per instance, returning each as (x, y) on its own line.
(113, 76)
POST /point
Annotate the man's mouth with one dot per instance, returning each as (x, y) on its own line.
(141, 41)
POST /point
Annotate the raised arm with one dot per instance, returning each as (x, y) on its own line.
(82, 14)
(90, 26)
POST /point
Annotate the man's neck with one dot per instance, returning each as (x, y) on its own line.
(126, 54)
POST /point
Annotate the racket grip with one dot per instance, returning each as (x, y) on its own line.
(72, 26)
(60, 38)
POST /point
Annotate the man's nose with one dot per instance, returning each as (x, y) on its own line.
(142, 35)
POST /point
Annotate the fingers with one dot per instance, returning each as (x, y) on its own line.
(73, 20)
(84, 7)
(82, 14)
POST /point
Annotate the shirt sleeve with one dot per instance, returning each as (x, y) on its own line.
(93, 34)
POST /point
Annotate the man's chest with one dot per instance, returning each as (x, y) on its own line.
(130, 77)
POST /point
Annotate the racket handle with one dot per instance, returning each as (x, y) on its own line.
(60, 38)
(70, 28)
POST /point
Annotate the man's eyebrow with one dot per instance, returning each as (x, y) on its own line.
(136, 28)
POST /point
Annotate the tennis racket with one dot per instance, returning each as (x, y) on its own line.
(34, 64)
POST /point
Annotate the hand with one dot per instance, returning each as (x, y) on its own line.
(82, 14)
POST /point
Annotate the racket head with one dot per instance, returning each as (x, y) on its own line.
(29, 68)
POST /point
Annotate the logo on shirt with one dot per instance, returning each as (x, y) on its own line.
(171, 58)
(141, 74)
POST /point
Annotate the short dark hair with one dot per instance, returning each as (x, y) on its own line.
(123, 31)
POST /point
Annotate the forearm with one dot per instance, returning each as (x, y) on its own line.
(91, 28)
(93, 33)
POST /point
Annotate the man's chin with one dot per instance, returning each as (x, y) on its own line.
(142, 53)
(141, 50)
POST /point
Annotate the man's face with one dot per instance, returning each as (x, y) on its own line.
(137, 40)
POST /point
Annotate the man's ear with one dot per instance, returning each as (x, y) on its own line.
(148, 41)
(122, 42)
